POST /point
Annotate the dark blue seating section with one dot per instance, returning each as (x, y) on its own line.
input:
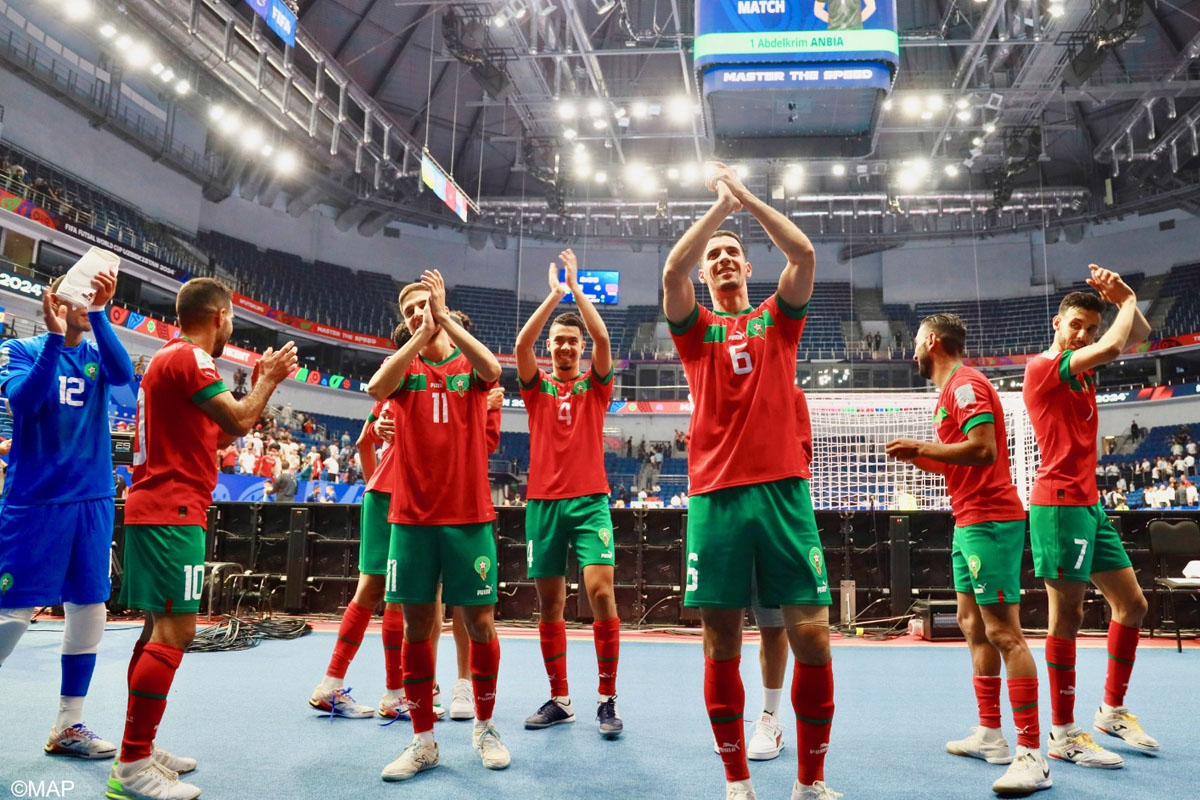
(1184, 316)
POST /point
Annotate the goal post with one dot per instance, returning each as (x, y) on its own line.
(850, 469)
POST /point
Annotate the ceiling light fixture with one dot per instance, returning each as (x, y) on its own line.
(286, 162)
(839, 170)
(566, 109)
(595, 108)
(108, 30)
(182, 87)
(639, 109)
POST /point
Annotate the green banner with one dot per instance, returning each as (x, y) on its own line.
(791, 42)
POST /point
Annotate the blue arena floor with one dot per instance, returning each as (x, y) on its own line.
(244, 716)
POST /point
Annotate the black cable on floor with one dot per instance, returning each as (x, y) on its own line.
(235, 633)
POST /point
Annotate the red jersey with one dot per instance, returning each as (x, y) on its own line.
(741, 369)
(381, 479)
(983, 493)
(440, 476)
(229, 459)
(804, 428)
(175, 447)
(1062, 408)
(493, 430)
(265, 467)
(566, 435)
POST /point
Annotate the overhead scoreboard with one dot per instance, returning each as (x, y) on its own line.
(794, 78)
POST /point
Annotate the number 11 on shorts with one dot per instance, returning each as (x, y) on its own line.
(390, 580)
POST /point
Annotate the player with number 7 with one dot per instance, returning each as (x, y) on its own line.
(751, 512)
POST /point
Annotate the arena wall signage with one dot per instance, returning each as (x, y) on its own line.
(136, 256)
(308, 326)
(19, 205)
(278, 17)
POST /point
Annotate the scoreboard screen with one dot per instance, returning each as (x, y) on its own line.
(600, 286)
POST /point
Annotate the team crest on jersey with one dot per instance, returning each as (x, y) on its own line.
(91, 369)
(482, 565)
(6, 582)
(203, 360)
(757, 326)
(973, 564)
(814, 558)
(605, 536)
(965, 396)
(580, 387)
(458, 383)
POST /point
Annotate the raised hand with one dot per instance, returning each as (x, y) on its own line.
(719, 173)
(432, 280)
(276, 365)
(385, 426)
(495, 398)
(106, 287)
(557, 287)
(54, 314)
(572, 267)
(1109, 284)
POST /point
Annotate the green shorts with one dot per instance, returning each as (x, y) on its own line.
(986, 558)
(764, 530)
(163, 568)
(552, 527)
(375, 533)
(1072, 542)
(461, 557)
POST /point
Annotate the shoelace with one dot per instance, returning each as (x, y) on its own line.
(489, 739)
(393, 719)
(80, 731)
(339, 695)
(1084, 739)
(1131, 719)
(546, 706)
(608, 709)
(826, 792)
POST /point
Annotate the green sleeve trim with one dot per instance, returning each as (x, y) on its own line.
(978, 419)
(604, 379)
(1064, 366)
(371, 418)
(531, 383)
(683, 327)
(791, 312)
(209, 392)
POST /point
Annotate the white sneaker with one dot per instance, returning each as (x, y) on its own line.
(1080, 748)
(152, 782)
(339, 703)
(177, 764)
(491, 750)
(462, 702)
(1028, 773)
(818, 791)
(393, 707)
(78, 742)
(439, 711)
(1124, 725)
(767, 740)
(417, 757)
(739, 790)
(992, 748)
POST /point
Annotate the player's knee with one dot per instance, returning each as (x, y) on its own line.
(13, 624)
(480, 622)
(1131, 610)
(602, 596)
(1005, 638)
(83, 628)
(971, 625)
(370, 593)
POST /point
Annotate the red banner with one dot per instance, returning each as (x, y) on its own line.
(308, 326)
(19, 205)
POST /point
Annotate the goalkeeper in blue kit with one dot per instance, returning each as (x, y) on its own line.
(56, 518)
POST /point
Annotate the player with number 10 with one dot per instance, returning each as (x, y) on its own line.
(751, 511)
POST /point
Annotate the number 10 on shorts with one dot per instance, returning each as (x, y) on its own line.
(193, 582)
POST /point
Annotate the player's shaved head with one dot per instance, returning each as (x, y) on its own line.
(1088, 301)
(951, 331)
(200, 298)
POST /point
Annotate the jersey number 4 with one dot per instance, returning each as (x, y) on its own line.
(69, 391)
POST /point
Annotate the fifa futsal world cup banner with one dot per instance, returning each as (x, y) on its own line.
(795, 78)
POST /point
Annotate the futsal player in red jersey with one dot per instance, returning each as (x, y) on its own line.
(750, 511)
(375, 537)
(971, 450)
(568, 491)
(185, 413)
(441, 512)
(1073, 541)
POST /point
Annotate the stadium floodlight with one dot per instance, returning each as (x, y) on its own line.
(964, 115)
(566, 109)
(934, 102)
(689, 172)
(1057, 10)
(252, 138)
(216, 111)
(266, 150)
(182, 87)
(962, 103)
(639, 109)
(620, 112)
(108, 30)
(912, 105)
(595, 108)
(649, 184)
(167, 75)
(839, 169)
(286, 162)
(989, 127)
(977, 141)
(569, 133)
(600, 177)
(500, 20)
(123, 42)
(599, 123)
(229, 124)
(907, 179)
(927, 115)
(633, 171)
(887, 104)
(77, 10)
(951, 171)
(680, 109)
(742, 171)
(793, 178)
(673, 173)
(138, 55)
(920, 166)
(156, 68)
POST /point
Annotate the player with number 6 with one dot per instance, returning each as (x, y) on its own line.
(751, 512)
(568, 490)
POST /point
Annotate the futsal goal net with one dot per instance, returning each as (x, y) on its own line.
(850, 469)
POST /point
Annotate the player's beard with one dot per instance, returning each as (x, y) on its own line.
(925, 366)
(219, 347)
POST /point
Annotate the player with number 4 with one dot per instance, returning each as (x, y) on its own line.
(751, 512)
(185, 413)
(56, 522)
(568, 490)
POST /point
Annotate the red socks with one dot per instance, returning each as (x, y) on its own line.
(1023, 695)
(418, 683)
(138, 647)
(350, 636)
(987, 695)
(1122, 648)
(393, 649)
(553, 637)
(812, 700)
(726, 701)
(485, 666)
(149, 684)
(607, 633)
(1060, 663)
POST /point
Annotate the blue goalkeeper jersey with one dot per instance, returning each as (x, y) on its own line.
(61, 446)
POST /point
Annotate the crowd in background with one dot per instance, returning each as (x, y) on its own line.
(1165, 481)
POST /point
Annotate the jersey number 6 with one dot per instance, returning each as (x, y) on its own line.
(741, 360)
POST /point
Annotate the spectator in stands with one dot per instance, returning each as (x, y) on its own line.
(1191, 494)
(330, 469)
(1134, 431)
(1122, 484)
(623, 492)
(1189, 464)
(1112, 470)
(229, 459)
(878, 341)
(285, 486)
(1176, 448)
(305, 471)
(329, 496)
(314, 495)
(345, 440)
(629, 447)
(1190, 448)
(120, 487)
(139, 367)
(1168, 494)
(247, 461)
(1179, 465)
